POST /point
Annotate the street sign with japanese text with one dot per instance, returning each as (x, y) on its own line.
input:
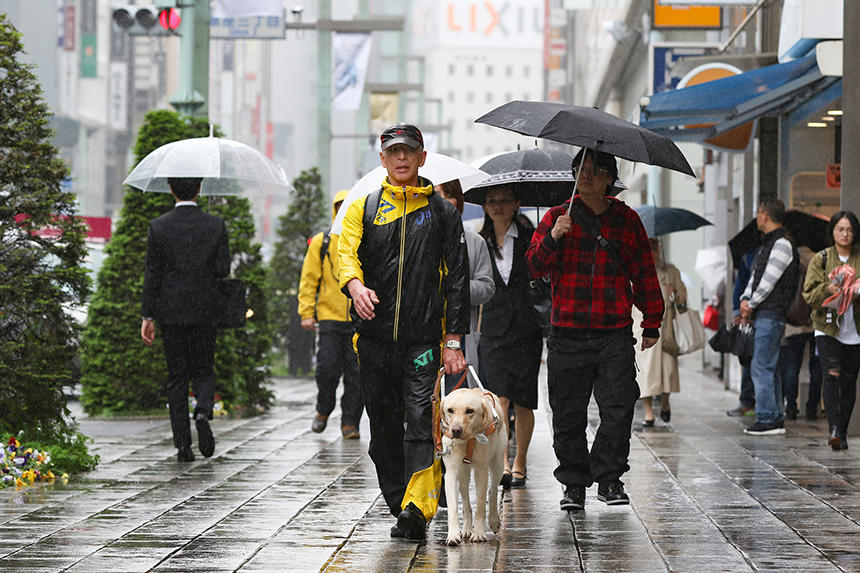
(256, 27)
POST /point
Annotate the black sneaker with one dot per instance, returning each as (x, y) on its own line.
(412, 523)
(765, 429)
(574, 498)
(205, 439)
(612, 493)
(185, 454)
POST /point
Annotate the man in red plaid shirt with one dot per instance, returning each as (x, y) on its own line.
(591, 346)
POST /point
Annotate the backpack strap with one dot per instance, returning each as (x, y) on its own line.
(324, 246)
(371, 204)
(589, 224)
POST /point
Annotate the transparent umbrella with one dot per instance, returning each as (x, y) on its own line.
(437, 168)
(227, 167)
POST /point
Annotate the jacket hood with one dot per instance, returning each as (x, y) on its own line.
(338, 197)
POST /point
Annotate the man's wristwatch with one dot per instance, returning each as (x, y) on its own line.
(453, 344)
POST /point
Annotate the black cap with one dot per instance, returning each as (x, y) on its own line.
(405, 133)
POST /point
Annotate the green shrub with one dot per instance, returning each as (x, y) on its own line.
(41, 274)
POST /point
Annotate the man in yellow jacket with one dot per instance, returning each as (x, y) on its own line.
(322, 305)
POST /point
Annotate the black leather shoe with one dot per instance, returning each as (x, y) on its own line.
(843, 440)
(506, 480)
(574, 498)
(666, 415)
(397, 533)
(412, 523)
(319, 423)
(612, 493)
(205, 439)
(647, 423)
(834, 440)
(811, 414)
(185, 454)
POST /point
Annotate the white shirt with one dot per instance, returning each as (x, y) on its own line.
(847, 329)
(185, 204)
(506, 263)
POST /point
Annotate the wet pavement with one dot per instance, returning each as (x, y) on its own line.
(277, 497)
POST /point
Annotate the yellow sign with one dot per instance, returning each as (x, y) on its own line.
(698, 17)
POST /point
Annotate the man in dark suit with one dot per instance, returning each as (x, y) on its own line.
(187, 252)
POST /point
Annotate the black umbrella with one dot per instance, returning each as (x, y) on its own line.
(804, 229)
(663, 220)
(539, 177)
(588, 127)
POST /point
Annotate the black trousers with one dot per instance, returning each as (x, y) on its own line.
(336, 357)
(839, 392)
(602, 363)
(396, 384)
(190, 353)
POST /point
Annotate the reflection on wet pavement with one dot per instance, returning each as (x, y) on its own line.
(276, 497)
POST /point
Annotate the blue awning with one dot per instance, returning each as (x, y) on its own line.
(718, 106)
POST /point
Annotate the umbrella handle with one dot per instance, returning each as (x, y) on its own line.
(576, 180)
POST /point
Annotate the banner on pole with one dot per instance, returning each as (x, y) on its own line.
(351, 54)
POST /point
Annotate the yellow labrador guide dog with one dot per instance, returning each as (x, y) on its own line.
(474, 436)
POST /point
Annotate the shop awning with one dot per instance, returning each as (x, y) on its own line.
(702, 111)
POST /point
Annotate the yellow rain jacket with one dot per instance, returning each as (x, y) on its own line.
(318, 288)
(400, 260)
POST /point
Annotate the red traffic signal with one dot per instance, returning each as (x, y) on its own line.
(169, 19)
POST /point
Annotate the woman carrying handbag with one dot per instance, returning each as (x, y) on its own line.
(658, 367)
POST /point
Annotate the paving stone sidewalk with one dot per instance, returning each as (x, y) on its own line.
(277, 497)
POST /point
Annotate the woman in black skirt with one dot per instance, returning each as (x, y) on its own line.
(511, 341)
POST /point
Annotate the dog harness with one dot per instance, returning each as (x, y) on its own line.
(487, 430)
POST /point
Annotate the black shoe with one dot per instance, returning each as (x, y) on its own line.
(612, 493)
(397, 533)
(574, 498)
(835, 440)
(412, 523)
(811, 414)
(843, 439)
(205, 439)
(506, 480)
(185, 454)
(666, 415)
(518, 480)
(791, 413)
(765, 429)
(647, 423)
(319, 423)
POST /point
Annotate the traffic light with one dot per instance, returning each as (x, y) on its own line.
(145, 20)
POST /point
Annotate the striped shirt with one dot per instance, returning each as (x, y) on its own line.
(780, 257)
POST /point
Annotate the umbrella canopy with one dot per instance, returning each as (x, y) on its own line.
(711, 267)
(437, 168)
(227, 167)
(588, 127)
(663, 220)
(540, 177)
(804, 230)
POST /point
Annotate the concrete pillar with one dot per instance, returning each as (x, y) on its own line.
(851, 128)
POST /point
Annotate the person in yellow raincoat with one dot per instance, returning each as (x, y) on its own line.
(404, 264)
(323, 307)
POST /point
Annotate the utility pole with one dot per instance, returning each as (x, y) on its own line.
(324, 97)
(193, 94)
(850, 199)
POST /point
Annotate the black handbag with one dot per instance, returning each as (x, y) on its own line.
(234, 306)
(723, 340)
(540, 297)
(743, 341)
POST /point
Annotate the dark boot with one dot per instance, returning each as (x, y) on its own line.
(834, 440)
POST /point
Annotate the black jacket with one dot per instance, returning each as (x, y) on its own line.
(413, 254)
(186, 252)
